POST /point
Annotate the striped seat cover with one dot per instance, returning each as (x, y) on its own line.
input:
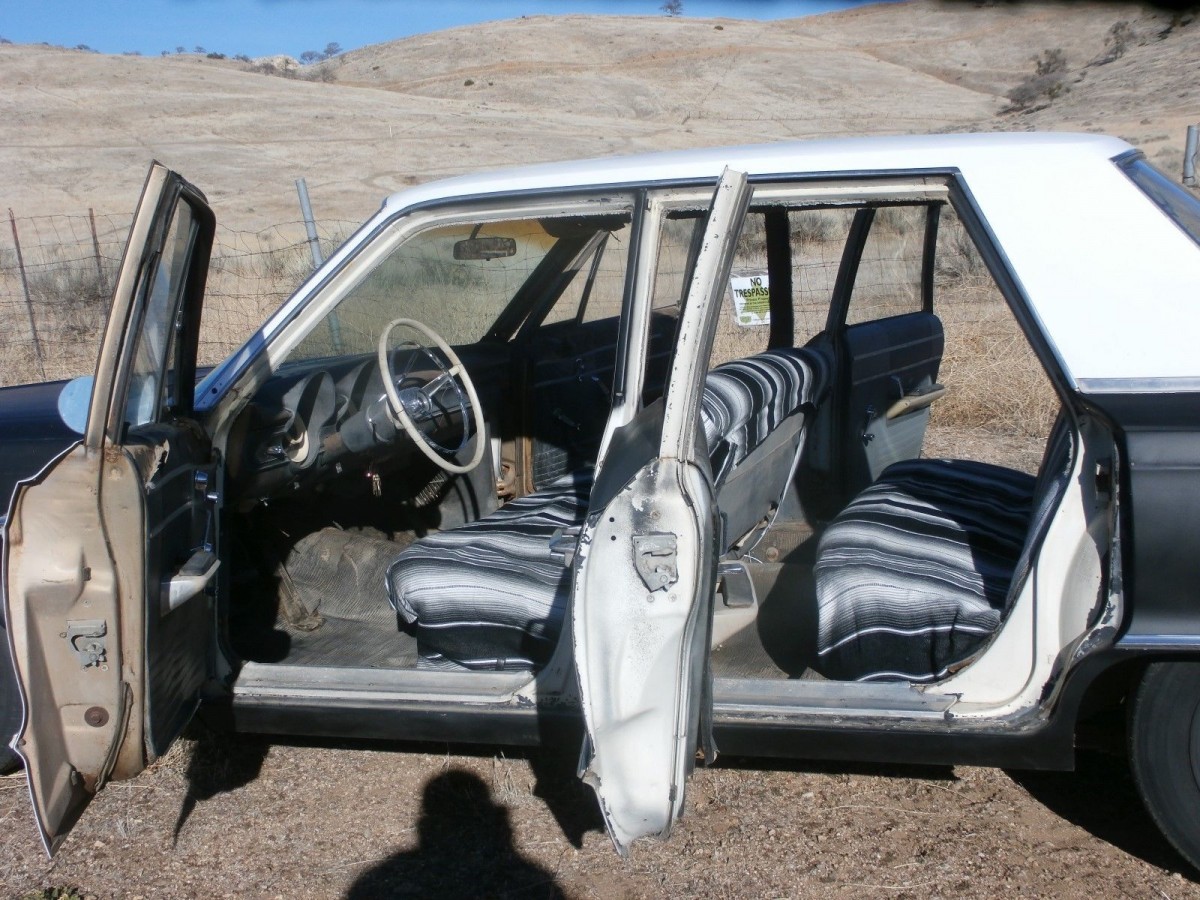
(747, 399)
(914, 574)
(490, 595)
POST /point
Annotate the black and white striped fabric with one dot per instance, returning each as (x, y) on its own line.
(489, 595)
(914, 574)
(746, 399)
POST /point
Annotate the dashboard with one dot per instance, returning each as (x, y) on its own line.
(325, 419)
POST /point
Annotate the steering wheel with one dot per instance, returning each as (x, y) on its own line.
(405, 402)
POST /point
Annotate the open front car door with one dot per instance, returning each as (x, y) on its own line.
(642, 605)
(110, 552)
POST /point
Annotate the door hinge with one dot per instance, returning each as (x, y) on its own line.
(202, 481)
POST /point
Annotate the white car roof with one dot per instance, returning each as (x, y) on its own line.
(1112, 279)
(843, 155)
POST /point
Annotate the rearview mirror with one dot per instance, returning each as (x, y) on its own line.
(485, 248)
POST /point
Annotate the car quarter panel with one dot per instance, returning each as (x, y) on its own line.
(31, 432)
(1161, 483)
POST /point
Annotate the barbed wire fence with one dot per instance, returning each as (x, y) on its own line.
(57, 273)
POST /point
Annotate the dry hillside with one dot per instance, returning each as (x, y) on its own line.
(80, 127)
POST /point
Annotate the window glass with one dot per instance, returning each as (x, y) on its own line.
(999, 404)
(457, 279)
(889, 274)
(676, 254)
(679, 241)
(151, 378)
(744, 323)
(597, 286)
(1179, 204)
(818, 240)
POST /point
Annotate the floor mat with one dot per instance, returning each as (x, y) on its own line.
(347, 642)
(781, 643)
(337, 580)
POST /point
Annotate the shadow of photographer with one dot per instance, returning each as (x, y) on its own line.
(464, 849)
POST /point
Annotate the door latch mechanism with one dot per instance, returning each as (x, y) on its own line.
(655, 556)
(86, 637)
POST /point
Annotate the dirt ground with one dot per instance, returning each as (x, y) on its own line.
(251, 817)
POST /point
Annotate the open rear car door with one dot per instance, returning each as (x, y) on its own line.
(642, 606)
(110, 551)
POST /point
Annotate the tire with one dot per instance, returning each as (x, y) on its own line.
(1164, 752)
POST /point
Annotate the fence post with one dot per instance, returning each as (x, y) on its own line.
(1189, 155)
(310, 225)
(96, 250)
(314, 246)
(37, 344)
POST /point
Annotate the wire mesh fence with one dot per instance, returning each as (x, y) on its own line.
(57, 274)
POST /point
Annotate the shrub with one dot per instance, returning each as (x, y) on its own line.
(322, 73)
(1050, 62)
(1048, 82)
(1117, 41)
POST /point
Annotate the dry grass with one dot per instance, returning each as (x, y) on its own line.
(994, 378)
(56, 332)
(996, 383)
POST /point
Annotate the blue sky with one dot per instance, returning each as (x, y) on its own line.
(263, 27)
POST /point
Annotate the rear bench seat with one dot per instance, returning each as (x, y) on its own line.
(921, 568)
(490, 595)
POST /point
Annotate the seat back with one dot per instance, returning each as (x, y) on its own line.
(753, 412)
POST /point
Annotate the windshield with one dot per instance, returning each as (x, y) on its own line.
(457, 278)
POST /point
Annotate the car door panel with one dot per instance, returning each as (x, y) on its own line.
(107, 675)
(177, 498)
(652, 561)
(73, 727)
(646, 566)
(889, 365)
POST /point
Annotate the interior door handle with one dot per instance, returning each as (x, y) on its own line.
(916, 400)
(190, 580)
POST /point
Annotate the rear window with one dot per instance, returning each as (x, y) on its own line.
(1181, 205)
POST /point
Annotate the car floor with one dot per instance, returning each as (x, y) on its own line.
(362, 637)
(338, 614)
(781, 642)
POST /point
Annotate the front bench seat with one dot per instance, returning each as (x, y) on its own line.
(491, 595)
(920, 569)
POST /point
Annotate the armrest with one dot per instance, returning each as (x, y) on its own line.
(916, 400)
